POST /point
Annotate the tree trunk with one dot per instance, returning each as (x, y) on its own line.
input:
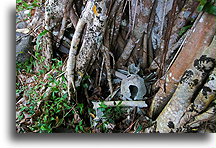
(131, 37)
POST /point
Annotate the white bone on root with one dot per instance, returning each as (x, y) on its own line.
(140, 104)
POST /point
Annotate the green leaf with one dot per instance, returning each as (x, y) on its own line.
(65, 96)
(20, 117)
(80, 123)
(52, 119)
(85, 85)
(101, 109)
(41, 71)
(35, 5)
(23, 108)
(184, 29)
(42, 33)
(210, 8)
(39, 37)
(203, 2)
(25, 5)
(76, 129)
(43, 128)
(81, 128)
(102, 105)
(119, 103)
(139, 128)
(201, 5)
(200, 8)
(18, 1)
(86, 77)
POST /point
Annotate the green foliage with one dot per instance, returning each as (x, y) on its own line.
(24, 5)
(79, 127)
(56, 64)
(38, 59)
(20, 88)
(38, 56)
(84, 82)
(207, 6)
(112, 114)
(210, 8)
(46, 110)
(53, 109)
(50, 110)
(27, 66)
(39, 38)
(80, 108)
(201, 4)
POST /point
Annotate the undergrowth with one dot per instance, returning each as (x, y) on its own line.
(42, 98)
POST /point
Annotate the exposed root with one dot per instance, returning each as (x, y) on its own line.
(72, 57)
(108, 68)
(206, 116)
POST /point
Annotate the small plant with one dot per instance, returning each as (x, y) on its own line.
(48, 112)
(79, 127)
(35, 60)
(46, 101)
(50, 109)
(38, 50)
(112, 114)
(26, 66)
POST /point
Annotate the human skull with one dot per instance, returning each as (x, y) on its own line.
(133, 88)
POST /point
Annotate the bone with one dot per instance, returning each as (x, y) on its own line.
(140, 104)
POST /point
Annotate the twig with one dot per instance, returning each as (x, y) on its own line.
(101, 71)
(129, 127)
(32, 55)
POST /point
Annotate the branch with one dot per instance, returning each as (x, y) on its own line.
(190, 82)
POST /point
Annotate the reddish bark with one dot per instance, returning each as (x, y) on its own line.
(201, 37)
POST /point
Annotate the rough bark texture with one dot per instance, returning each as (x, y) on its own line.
(140, 13)
(162, 9)
(189, 84)
(201, 37)
(204, 117)
(93, 37)
(202, 101)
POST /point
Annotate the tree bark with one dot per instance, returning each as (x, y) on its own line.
(200, 37)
